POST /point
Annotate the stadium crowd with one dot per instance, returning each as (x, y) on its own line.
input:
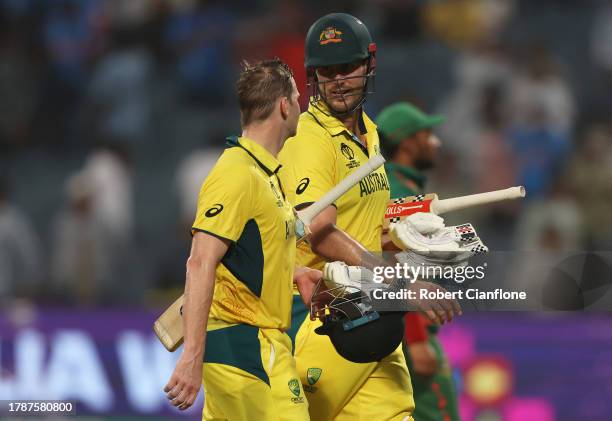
(113, 111)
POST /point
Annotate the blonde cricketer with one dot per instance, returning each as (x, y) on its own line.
(240, 272)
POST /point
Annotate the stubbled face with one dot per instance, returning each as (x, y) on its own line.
(341, 85)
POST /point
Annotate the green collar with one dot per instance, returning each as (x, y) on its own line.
(263, 158)
(410, 173)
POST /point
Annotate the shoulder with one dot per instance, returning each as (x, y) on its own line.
(234, 165)
(309, 127)
(310, 138)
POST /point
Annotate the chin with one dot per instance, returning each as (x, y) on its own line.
(339, 107)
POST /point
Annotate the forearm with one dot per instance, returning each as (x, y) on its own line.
(334, 244)
(199, 290)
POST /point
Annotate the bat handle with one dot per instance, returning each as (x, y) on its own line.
(308, 214)
(447, 205)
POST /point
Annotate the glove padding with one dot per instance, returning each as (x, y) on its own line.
(336, 274)
(426, 240)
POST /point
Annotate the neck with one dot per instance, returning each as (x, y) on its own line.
(270, 136)
(351, 122)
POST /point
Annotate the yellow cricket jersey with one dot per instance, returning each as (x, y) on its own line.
(242, 200)
(322, 153)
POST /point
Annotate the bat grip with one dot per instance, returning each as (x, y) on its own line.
(308, 214)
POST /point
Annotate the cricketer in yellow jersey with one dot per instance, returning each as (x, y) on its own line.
(334, 137)
(240, 273)
(322, 153)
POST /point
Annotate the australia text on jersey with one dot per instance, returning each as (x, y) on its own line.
(373, 183)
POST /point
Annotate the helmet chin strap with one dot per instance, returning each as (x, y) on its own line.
(350, 110)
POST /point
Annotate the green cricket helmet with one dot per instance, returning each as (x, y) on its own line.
(339, 38)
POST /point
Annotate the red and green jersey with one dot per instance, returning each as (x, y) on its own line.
(435, 396)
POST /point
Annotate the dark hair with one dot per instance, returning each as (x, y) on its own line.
(259, 86)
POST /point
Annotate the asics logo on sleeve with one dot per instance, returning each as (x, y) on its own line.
(214, 211)
(303, 185)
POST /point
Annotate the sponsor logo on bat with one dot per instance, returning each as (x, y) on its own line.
(401, 209)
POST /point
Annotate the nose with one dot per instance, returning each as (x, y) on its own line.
(434, 141)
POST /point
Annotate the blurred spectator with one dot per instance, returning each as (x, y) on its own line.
(18, 94)
(466, 22)
(120, 88)
(20, 250)
(547, 231)
(108, 171)
(497, 168)
(601, 37)
(79, 259)
(200, 37)
(540, 153)
(552, 223)
(542, 113)
(539, 92)
(93, 233)
(119, 64)
(70, 38)
(190, 175)
(600, 105)
(589, 177)
(476, 71)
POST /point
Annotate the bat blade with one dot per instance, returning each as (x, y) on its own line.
(398, 209)
(169, 326)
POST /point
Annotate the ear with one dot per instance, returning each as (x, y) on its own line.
(284, 107)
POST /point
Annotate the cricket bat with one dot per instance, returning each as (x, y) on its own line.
(398, 209)
(169, 326)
